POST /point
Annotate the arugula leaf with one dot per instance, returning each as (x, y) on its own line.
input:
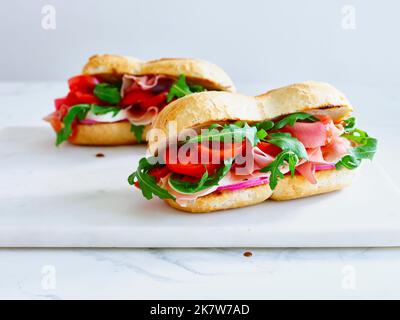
(261, 134)
(292, 151)
(79, 111)
(99, 110)
(288, 143)
(266, 125)
(356, 135)
(107, 92)
(349, 124)
(292, 118)
(138, 132)
(205, 181)
(274, 167)
(148, 183)
(365, 149)
(180, 89)
(348, 161)
(227, 133)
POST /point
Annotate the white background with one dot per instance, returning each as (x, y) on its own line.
(256, 40)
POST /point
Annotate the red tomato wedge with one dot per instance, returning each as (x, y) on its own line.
(190, 169)
(135, 97)
(269, 148)
(83, 82)
(77, 97)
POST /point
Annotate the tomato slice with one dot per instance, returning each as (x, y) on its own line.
(159, 172)
(190, 169)
(77, 97)
(58, 103)
(193, 170)
(269, 148)
(155, 101)
(135, 97)
(83, 82)
(225, 151)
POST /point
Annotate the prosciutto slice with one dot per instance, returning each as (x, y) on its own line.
(254, 160)
(311, 135)
(184, 198)
(336, 149)
(307, 170)
(140, 117)
(147, 82)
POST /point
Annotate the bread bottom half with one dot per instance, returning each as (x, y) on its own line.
(105, 134)
(287, 189)
(222, 200)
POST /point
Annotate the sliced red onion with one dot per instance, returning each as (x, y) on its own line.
(89, 121)
(328, 166)
(245, 184)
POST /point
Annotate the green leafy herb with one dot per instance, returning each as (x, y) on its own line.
(180, 89)
(138, 132)
(99, 110)
(365, 148)
(288, 143)
(148, 183)
(227, 133)
(266, 125)
(261, 134)
(292, 151)
(292, 118)
(76, 112)
(274, 167)
(349, 162)
(108, 92)
(349, 124)
(205, 181)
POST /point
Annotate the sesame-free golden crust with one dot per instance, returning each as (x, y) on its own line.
(310, 96)
(111, 64)
(298, 187)
(197, 71)
(222, 200)
(105, 134)
(287, 189)
(210, 107)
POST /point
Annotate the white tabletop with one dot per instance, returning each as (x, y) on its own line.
(201, 273)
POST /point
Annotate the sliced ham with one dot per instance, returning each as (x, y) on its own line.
(307, 170)
(310, 134)
(254, 160)
(147, 82)
(315, 155)
(141, 118)
(336, 149)
(184, 198)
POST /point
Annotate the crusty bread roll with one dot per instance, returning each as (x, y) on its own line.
(196, 71)
(222, 200)
(112, 67)
(209, 107)
(298, 187)
(105, 134)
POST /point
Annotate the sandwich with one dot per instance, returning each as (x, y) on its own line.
(216, 150)
(116, 99)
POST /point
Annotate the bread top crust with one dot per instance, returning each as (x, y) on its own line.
(209, 107)
(197, 71)
(310, 96)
